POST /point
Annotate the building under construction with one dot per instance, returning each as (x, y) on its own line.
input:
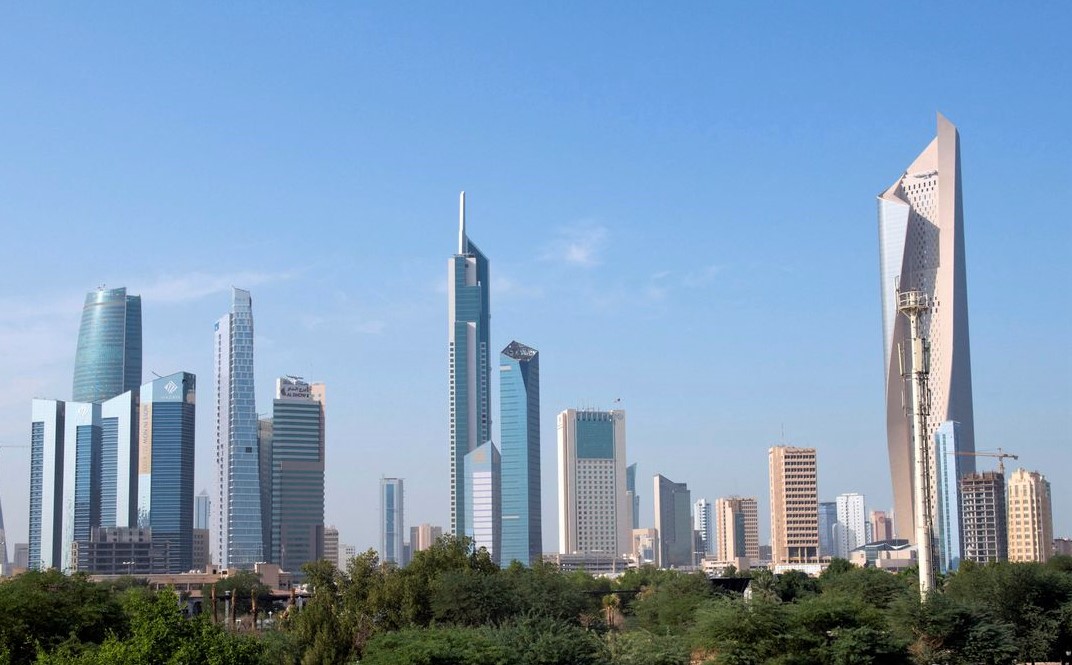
(983, 521)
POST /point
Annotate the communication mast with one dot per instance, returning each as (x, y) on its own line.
(913, 304)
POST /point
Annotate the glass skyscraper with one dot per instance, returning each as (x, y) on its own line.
(166, 466)
(46, 483)
(483, 507)
(107, 361)
(519, 396)
(392, 519)
(83, 458)
(297, 465)
(470, 368)
(264, 448)
(202, 507)
(631, 493)
(947, 523)
(827, 528)
(119, 460)
(703, 521)
(236, 525)
(673, 521)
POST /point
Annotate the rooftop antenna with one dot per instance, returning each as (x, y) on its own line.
(461, 224)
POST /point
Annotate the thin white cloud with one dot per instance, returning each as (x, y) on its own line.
(580, 245)
(197, 285)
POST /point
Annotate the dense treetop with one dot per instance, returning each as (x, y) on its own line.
(453, 605)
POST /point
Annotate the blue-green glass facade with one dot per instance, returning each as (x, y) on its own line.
(392, 519)
(108, 358)
(237, 538)
(827, 522)
(470, 369)
(80, 473)
(519, 396)
(87, 479)
(46, 483)
(673, 520)
(947, 528)
(631, 491)
(166, 466)
(297, 463)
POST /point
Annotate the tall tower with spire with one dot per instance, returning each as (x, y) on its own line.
(469, 314)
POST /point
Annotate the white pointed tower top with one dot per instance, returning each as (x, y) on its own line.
(461, 224)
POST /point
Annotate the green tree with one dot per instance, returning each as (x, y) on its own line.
(536, 640)
(161, 634)
(243, 586)
(945, 631)
(740, 632)
(320, 631)
(875, 587)
(1030, 597)
(435, 646)
(640, 647)
(670, 607)
(542, 590)
(41, 610)
(841, 630)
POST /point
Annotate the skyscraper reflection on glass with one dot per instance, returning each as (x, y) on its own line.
(519, 394)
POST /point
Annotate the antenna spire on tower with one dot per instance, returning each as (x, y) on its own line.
(461, 225)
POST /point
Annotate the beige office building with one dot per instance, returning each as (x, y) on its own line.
(593, 509)
(331, 546)
(423, 536)
(794, 502)
(737, 528)
(881, 526)
(1030, 517)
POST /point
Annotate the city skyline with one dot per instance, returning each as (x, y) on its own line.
(630, 213)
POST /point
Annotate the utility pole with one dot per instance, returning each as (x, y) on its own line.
(913, 304)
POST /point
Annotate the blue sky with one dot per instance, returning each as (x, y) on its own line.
(678, 204)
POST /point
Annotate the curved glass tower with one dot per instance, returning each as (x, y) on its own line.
(108, 359)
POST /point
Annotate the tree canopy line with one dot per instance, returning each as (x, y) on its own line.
(452, 605)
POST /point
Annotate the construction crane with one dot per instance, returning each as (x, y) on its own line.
(999, 453)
